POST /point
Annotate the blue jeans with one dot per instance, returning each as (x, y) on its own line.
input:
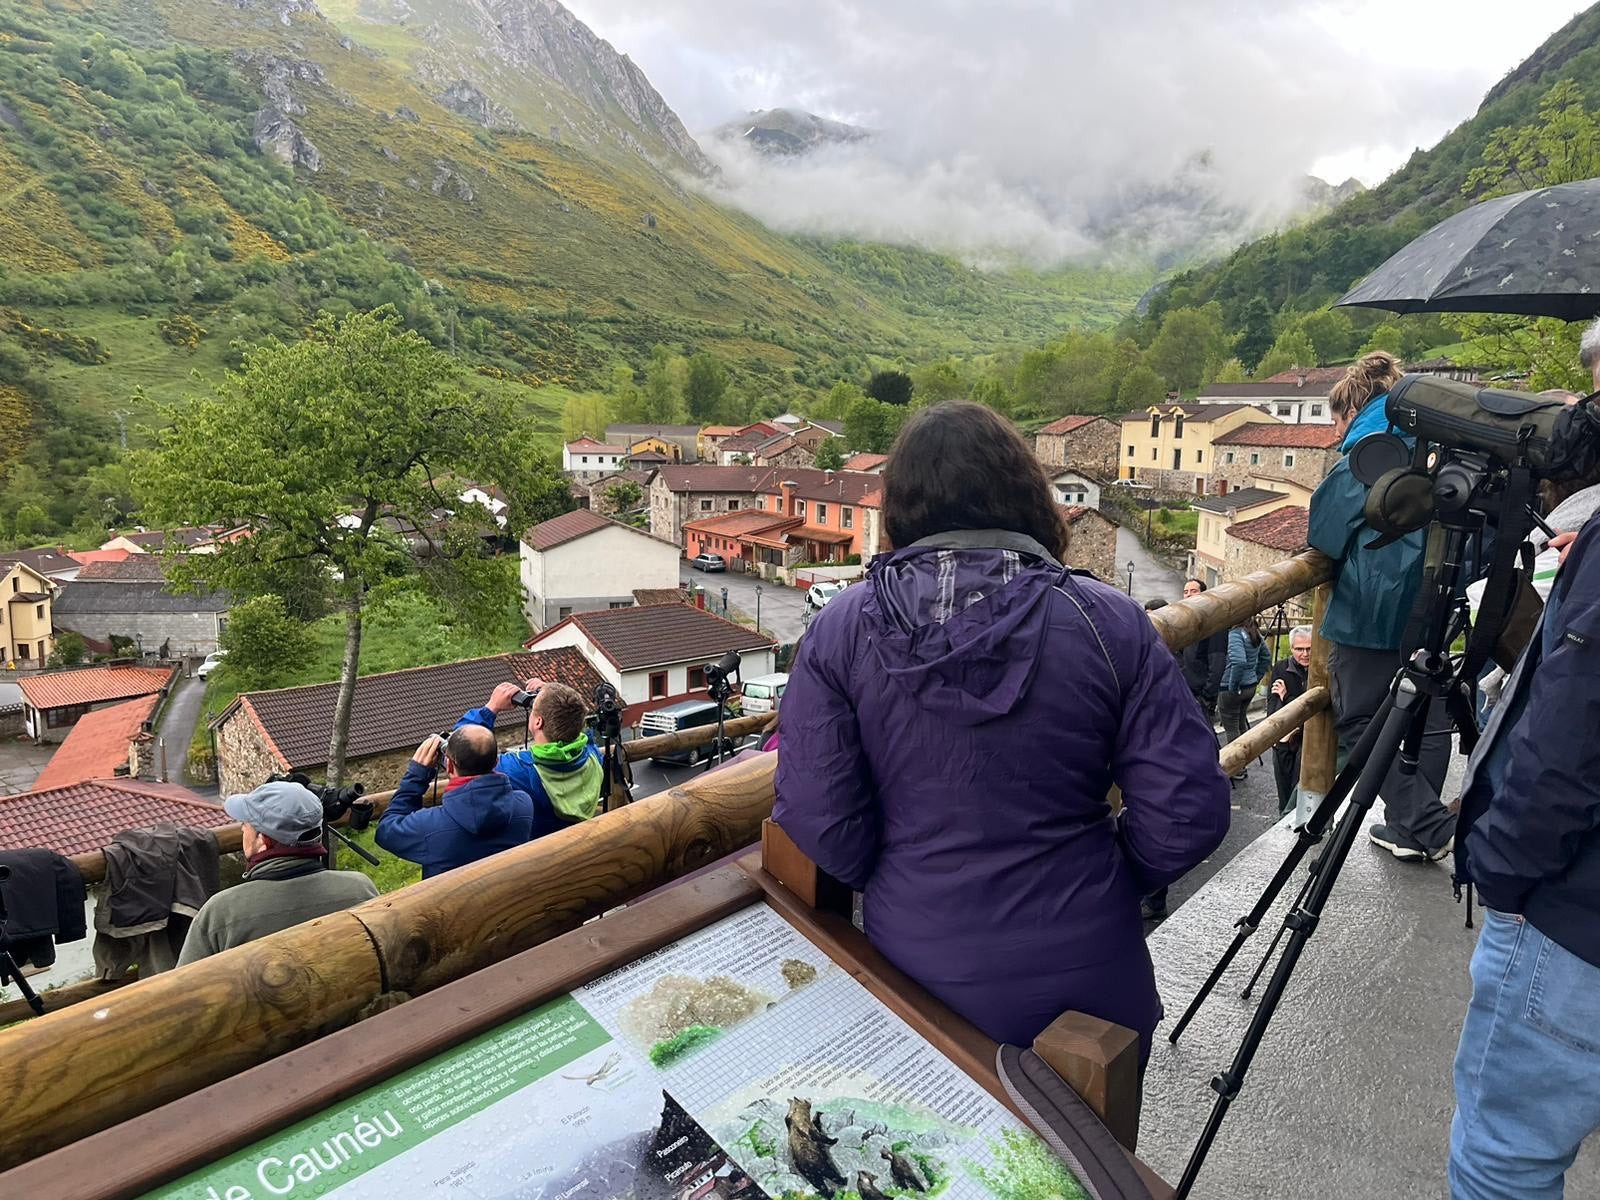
(1528, 1068)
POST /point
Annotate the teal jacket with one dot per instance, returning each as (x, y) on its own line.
(1374, 589)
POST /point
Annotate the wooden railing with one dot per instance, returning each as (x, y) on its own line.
(84, 1068)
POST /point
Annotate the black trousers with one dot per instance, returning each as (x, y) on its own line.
(1286, 771)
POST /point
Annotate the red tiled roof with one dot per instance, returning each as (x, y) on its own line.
(718, 431)
(85, 557)
(1285, 529)
(568, 527)
(1069, 424)
(590, 446)
(93, 685)
(1263, 433)
(703, 477)
(631, 638)
(87, 816)
(733, 524)
(397, 709)
(1077, 512)
(865, 462)
(1320, 378)
(97, 745)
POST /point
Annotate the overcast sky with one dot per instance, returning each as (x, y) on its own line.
(1021, 119)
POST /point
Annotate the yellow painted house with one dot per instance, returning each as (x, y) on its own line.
(671, 451)
(1168, 446)
(1218, 514)
(26, 617)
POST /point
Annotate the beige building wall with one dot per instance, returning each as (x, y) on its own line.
(1175, 453)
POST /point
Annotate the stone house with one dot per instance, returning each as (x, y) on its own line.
(711, 439)
(1218, 514)
(104, 744)
(785, 450)
(1260, 542)
(266, 733)
(1088, 443)
(681, 494)
(1094, 542)
(1302, 454)
(601, 495)
(581, 562)
(110, 599)
(1169, 446)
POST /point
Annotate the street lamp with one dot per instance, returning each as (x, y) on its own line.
(758, 608)
(1130, 577)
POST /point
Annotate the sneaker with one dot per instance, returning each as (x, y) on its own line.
(1398, 844)
(1444, 850)
(1154, 906)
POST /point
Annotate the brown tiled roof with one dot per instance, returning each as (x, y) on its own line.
(865, 462)
(97, 745)
(1264, 433)
(746, 520)
(719, 431)
(631, 638)
(639, 477)
(742, 442)
(1286, 529)
(834, 427)
(1192, 412)
(1320, 378)
(93, 685)
(156, 539)
(837, 487)
(133, 568)
(1069, 424)
(1077, 512)
(87, 816)
(568, 527)
(397, 709)
(649, 457)
(773, 447)
(703, 477)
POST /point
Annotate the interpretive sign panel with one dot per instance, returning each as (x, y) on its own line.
(738, 1063)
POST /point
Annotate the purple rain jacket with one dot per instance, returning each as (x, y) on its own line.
(951, 730)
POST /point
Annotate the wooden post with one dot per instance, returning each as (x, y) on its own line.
(788, 864)
(1099, 1061)
(1185, 622)
(1265, 734)
(1319, 744)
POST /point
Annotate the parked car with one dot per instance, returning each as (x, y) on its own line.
(212, 662)
(764, 693)
(687, 714)
(708, 562)
(818, 594)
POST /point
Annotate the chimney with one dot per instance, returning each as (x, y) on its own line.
(1302, 379)
(787, 488)
(827, 477)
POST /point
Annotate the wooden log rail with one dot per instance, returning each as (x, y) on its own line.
(1187, 621)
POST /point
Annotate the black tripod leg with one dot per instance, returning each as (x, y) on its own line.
(11, 972)
(1306, 837)
(1261, 966)
(1302, 922)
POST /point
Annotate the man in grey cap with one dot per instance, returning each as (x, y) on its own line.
(286, 881)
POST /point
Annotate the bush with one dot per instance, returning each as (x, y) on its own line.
(69, 650)
(262, 639)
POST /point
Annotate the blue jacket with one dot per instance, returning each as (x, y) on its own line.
(1246, 663)
(480, 817)
(563, 793)
(1374, 589)
(1531, 799)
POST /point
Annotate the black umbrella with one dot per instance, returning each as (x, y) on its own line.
(1536, 253)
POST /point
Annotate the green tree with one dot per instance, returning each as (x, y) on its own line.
(1331, 334)
(1387, 336)
(838, 401)
(663, 387)
(1292, 349)
(1255, 333)
(1231, 371)
(1140, 388)
(704, 389)
(263, 641)
(69, 650)
(585, 414)
(871, 425)
(627, 401)
(327, 451)
(991, 391)
(829, 457)
(891, 387)
(941, 381)
(31, 522)
(1191, 339)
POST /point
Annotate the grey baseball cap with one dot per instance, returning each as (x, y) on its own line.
(286, 812)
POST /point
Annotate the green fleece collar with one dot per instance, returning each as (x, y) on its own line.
(558, 752)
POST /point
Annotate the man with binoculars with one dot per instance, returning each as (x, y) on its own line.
(561, 768)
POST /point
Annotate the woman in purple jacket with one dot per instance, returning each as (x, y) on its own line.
(954, 725)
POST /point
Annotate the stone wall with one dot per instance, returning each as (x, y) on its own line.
(1311, 466)
(1092, 448)
(1094, 546)
(1244, 558)
(187, 633)
(794, 456)
(601, 500)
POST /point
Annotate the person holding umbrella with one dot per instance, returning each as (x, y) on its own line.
(1366, 620)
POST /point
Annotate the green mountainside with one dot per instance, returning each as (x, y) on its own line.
(178, 176)
(1313, 264)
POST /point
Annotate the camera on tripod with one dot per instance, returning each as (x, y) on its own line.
(718, 682)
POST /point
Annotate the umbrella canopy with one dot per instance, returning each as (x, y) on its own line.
(1536, 253)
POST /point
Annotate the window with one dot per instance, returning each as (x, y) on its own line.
(1288, 458)
(585, 460)
(1154, 454)
(777, 504)
(1285, 410)
(847, 518)
(1199, 456)
(658, 685)
(697, 679)
(761, 502)
(705, 506)
(1255, 458)
(16, 585)
(1155, 424)
(800, 508)
(563, 612)
(1177, 426)
(1130, 451)
(621, 604)
(822, 513)
(24, 653)
(1228, 456)
(733, 506)
(1316, 410)
(1177, 459)
(38, 612)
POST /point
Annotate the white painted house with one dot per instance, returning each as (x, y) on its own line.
(656, 655)
(587, 460)
(1074, 488)
(583, 562)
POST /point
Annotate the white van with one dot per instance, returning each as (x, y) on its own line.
(764, 693)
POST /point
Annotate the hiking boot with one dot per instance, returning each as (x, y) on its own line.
(1399, 845)
(1154, 906)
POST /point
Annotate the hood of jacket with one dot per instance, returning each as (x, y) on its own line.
(959, 622)
(571, 775)
(1372, 418)
(483, 805)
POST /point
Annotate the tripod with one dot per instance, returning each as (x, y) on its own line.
(607, 721)
(1397, 729)
(10, 971)
(721, 692)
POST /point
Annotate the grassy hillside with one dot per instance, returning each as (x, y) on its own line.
(1311, 265)
(142, 234)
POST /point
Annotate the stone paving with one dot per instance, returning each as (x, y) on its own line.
(20, 764)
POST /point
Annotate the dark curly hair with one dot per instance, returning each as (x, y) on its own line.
(962, 466)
